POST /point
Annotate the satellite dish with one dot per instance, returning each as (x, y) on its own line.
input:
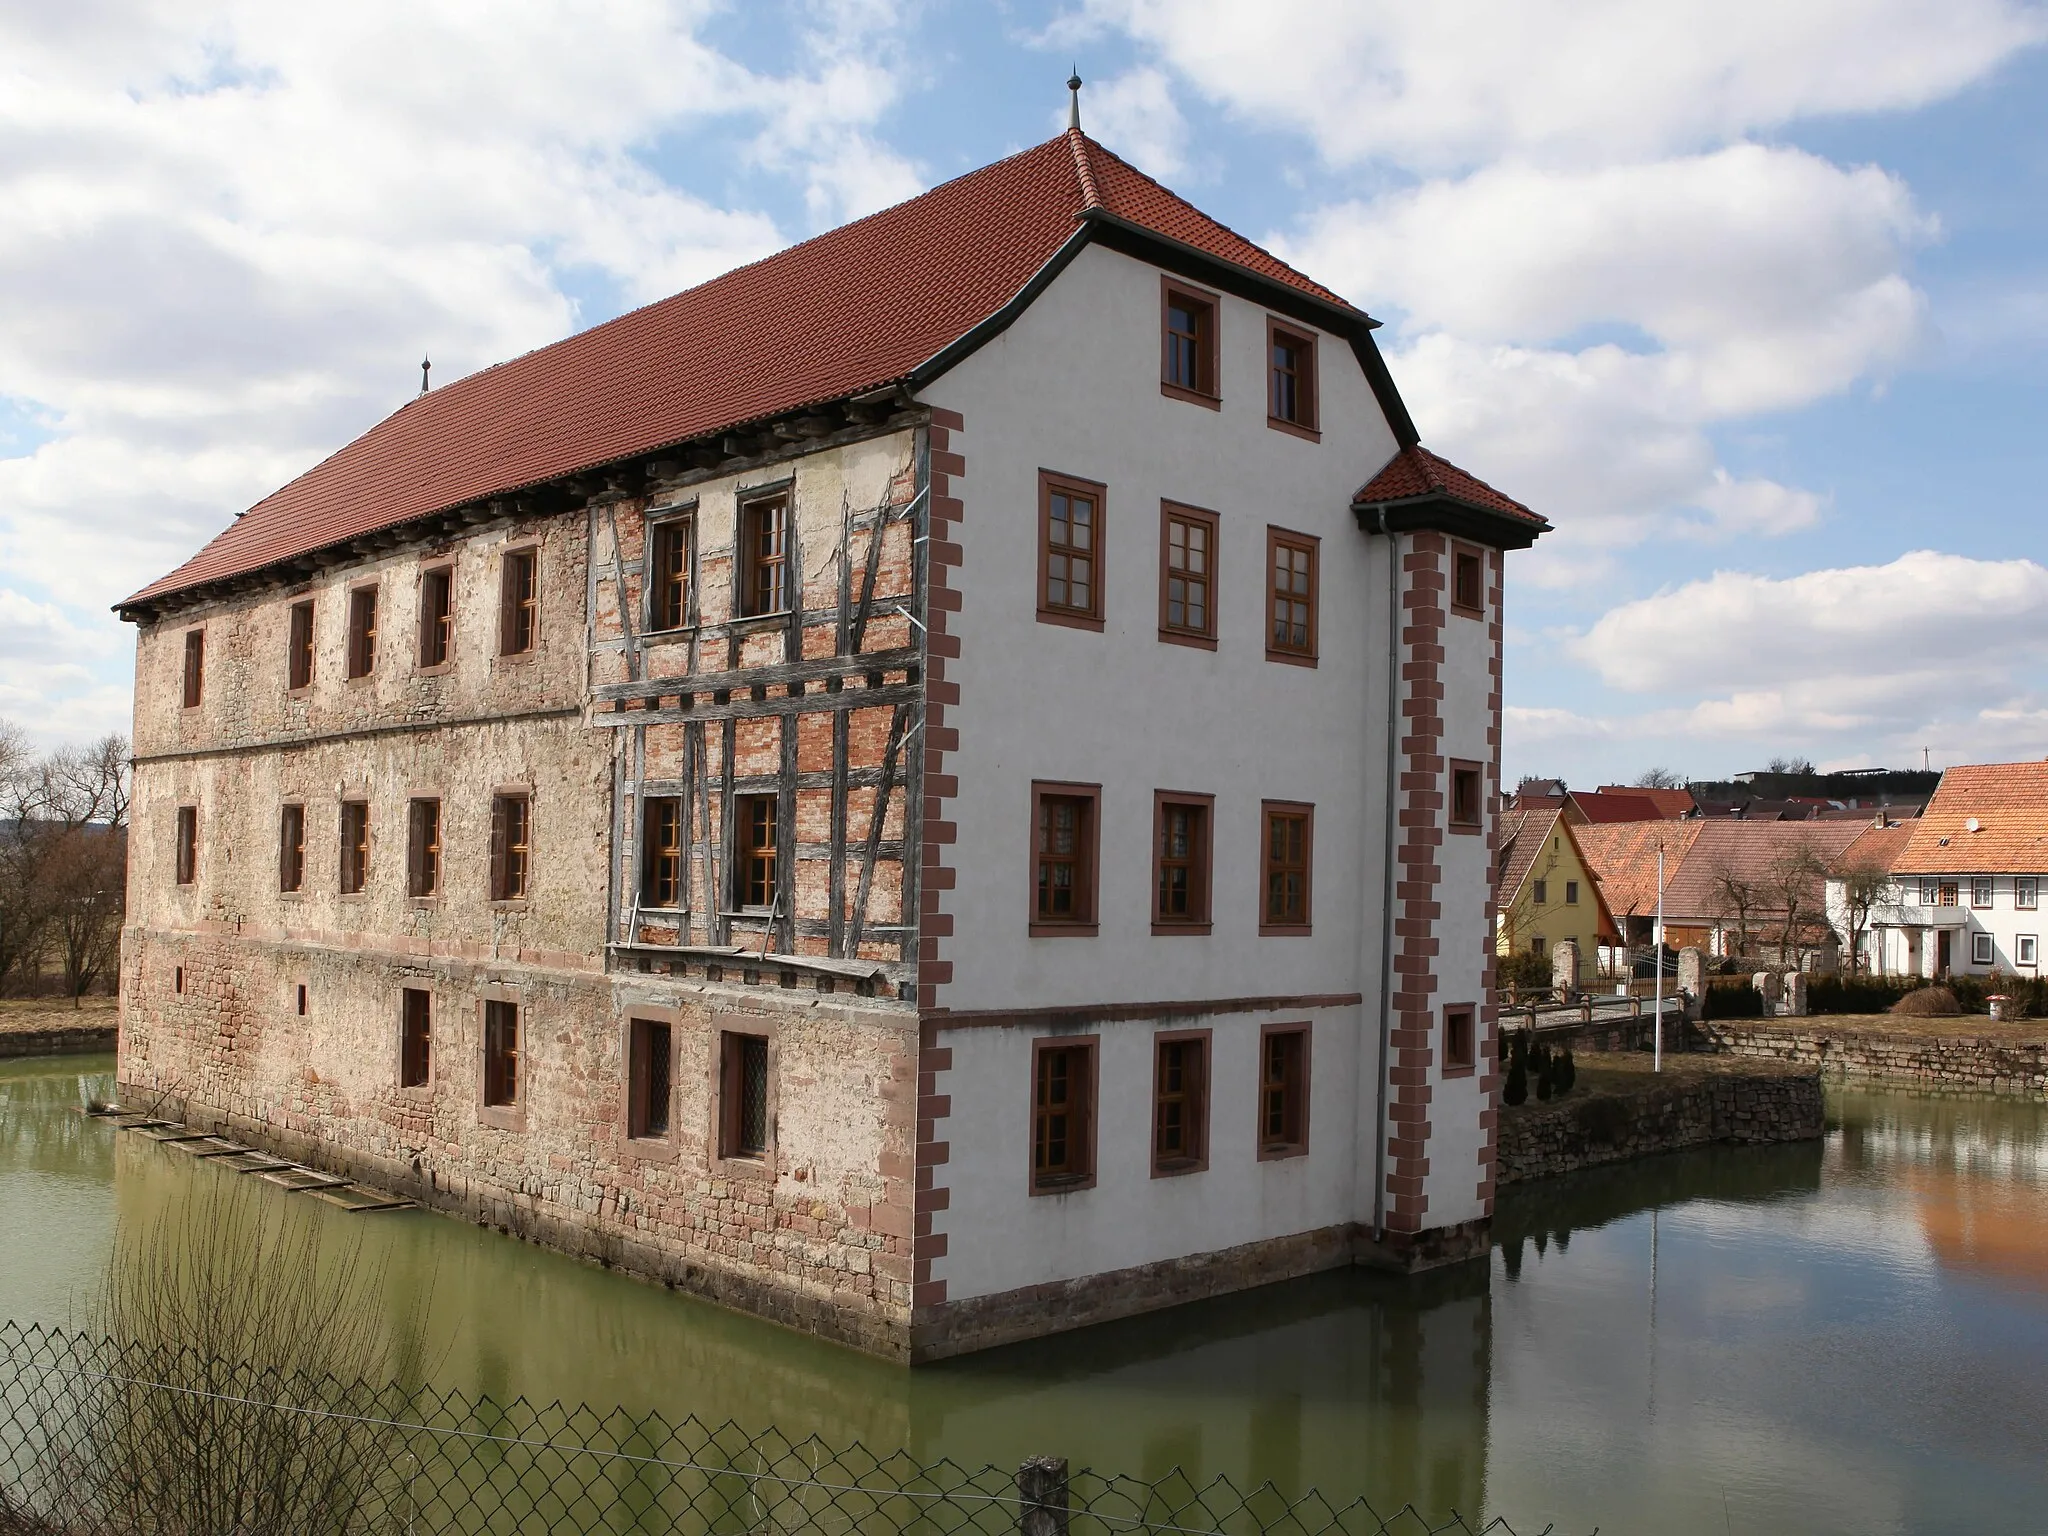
(1973, 825)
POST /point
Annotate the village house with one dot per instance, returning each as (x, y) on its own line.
(937, 787)
(1957, 891)
(1543, 892)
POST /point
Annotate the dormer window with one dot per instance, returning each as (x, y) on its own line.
(1188, 344)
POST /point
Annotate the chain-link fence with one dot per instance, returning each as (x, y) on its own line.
(98, 1439)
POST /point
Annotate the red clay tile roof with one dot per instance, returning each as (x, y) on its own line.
(1415, 471)
(1522, 836)
(854, 309)
(1623, 858)
(2009, 802)
(1877, 848)
(1669, 802)
(1627, 806)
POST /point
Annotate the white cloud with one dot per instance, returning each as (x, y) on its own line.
(1464, 82)
(1138, 115)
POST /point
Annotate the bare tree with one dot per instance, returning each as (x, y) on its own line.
(24, 914)
(1796, 884)
(84, 878)
(1737, 895)
(1866, 887)
(1798, 767)
(63, 857)
(1659, 778)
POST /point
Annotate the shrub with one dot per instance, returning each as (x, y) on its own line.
(1523, 971)
(1739, 1001)
(1857, 994)
(1928, 1002)
(1564, 1072)
(1516, 1089)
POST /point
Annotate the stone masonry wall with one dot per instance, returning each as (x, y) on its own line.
(1944, 1061)
(1541, 1140)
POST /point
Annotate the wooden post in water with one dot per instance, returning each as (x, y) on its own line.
(1042, 1496)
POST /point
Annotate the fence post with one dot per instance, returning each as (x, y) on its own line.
(1042, 1495)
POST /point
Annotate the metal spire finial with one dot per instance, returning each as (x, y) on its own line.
(1074, 103)
(426, 366)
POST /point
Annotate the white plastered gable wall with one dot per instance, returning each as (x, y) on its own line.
(1073, 387)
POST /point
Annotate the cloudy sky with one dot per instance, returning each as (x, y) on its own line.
(1751, 299)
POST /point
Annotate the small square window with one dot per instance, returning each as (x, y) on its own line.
(764, 556)
(1291, 597)
(423, 849)
(501, 1054)
(355, 846)
(1070, 514)
(291, 848)
(649, 1075)
(744, 1118)
(362, 632)
(2026, 893)
(511, 845)
(1980, 890)
(1291, 380)
(1468, 581)
(1468, 797)
(1187, 369)
(415, 1037)
(1180, 1104)
(299, 647)
(1180, 862)
(1461, 1035)
(1540, 891)
(185, 848)
(668, 573)
(1187, 575)
(195, 666)
(1980, 949)
(518, 602)
(1062, 1115)
(2024, 947)
(1286, 852)
(437, 616)
(1063, 818)
(1283, 1091)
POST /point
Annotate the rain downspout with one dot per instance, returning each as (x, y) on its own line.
(1379, 1150)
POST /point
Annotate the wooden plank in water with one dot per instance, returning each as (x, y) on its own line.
(254, 1162)
(293, 1180)
(359, 1199)
(212, 1146)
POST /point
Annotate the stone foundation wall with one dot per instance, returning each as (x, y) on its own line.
(57, 1042)
(817, 1234)
(1685, 1111)
(1933, 1061)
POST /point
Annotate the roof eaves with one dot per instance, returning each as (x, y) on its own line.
(1443, 511)
(979, 335)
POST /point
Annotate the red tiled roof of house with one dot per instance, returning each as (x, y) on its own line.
(1522, 836)
(1671, 803)
(1627, 806)
(1623, 858)
(1415, 471)
(1878, 848)
(1755, 852)
(857, 308)
(2009, 803)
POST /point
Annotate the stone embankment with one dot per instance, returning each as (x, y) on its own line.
(1620, 1109)
(54, 1028)
(1962, 1053)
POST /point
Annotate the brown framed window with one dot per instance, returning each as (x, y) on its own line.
(299, 647)
(1286, 852)
(1187, 343)
(1063, 819)
(518, 602)
(362, 632)
(1283, 1091)
(1180, 862)
(355, 846)
(1291, 596)
(1571, 893)
(661, 852)
(437, 616)
(1291, 379)
(1461, 1038)
(744, 1120)
(195, 666)
(764, 555)
(759, 848)
(648, 1080)
(668, 573)
(511, 840)
(291, 848)
(1070, 514)
(1468, 796)
(415, 1037)
(1187, 575)
(1062, 1115)
(1539, 892)
(1468, 581)
(1180, 1103)
(501, 1054)
(423, 849)
(186, 847)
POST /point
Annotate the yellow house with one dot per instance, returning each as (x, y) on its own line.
(1544, 892)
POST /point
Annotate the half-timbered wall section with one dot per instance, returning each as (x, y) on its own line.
(755, 641)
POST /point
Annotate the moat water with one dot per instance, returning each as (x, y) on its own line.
(1842, 1336)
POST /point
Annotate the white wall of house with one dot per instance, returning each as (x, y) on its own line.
(1997, 921)
(1073, 387)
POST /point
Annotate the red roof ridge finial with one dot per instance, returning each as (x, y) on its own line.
(1077, 141)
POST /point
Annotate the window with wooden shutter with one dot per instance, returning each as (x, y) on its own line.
(1180, 1103)
(501, 1054)
(415, 1032)
(1468, 581)
(423, 849)
(437, 616)
(518, 601)
(355, 846)
(511, 832)
(291, 848)
(299, 647)
(648, 1079)
(362, 632)
(1283, 1091)
(1062, 1115)
(195, 666)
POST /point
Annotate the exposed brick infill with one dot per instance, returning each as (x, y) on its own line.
(947, 466)
(1420, 797)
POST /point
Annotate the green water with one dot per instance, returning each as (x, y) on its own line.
(1844, 1336)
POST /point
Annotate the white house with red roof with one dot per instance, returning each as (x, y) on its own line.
(938, 787)
(1962, 887)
